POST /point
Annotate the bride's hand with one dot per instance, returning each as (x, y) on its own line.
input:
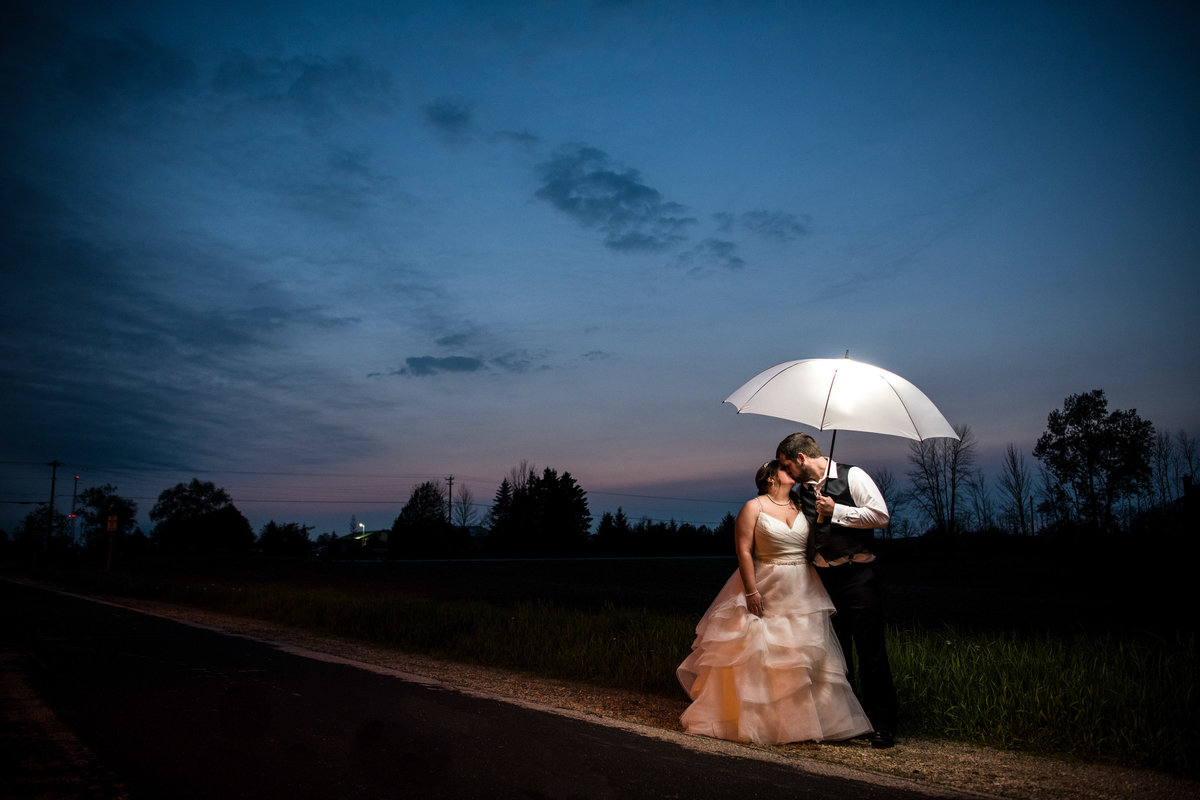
(754, 604)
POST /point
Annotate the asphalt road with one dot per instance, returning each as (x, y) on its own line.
(173, 711)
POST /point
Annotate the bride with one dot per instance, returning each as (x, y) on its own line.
(765, 666)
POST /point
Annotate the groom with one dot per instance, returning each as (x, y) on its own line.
(844, 506)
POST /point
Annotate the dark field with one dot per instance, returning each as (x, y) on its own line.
(1011, 585)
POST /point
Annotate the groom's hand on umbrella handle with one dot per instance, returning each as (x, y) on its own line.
(824, 506)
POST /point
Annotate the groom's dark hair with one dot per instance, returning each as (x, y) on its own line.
(798, 443)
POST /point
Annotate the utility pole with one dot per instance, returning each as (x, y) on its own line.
(54, 465)
(450, 499)
(74, 495)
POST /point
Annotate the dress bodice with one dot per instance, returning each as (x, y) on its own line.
(775, 541)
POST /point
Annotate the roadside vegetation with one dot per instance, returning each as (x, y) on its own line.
(1128, 698)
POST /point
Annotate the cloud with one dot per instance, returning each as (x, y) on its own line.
(582, 182)
(515, 361)
(779, 226)
(776, 225)
(308, 86)
(454, 340)
(453, 118)
(712, 252)
(523, 139)
(421, 366)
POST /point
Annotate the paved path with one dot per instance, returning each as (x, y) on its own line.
(132, 705)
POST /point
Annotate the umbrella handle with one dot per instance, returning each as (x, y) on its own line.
(821, 518)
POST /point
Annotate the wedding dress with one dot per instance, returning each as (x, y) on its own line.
(776, 678)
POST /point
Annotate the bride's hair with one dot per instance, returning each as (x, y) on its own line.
(762, 478)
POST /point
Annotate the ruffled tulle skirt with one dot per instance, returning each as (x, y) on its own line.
(771, 679)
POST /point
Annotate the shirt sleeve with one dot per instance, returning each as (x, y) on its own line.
(871, 511)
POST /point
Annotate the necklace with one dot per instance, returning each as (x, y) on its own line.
(776, 502)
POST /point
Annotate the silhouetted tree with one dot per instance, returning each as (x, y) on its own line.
(614, 536)
(95, 505)
(464, 511)
(1165, 468)
(561, 512)
(893, 497)
(724, 530)
(38, 534)
(1016, 490)
(501, 511)
(982, 515)
(1187, 455)
(423, 529)
(1096, 458)
(539, 515)
(939, 471)
(198, 518)
(290, 539)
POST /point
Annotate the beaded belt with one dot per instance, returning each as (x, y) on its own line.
(784, 561)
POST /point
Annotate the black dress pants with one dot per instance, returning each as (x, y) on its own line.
(859, 625)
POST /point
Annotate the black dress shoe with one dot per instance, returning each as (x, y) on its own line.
(882, 739)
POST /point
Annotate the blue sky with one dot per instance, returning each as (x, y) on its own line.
(319, 253)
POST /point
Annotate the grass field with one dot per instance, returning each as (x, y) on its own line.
(984, 652)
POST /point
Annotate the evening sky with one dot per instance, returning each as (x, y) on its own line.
(318, 253)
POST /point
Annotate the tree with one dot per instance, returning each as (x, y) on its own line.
(464, 512)
(939, 470)
(561, 512)
(290, 539)
(39, 533)
(982, 510)
(1016, 490)
(423, 528)
(614, 535)
(893, 498)
(1097, 458)
(1165, 468)
(501, 510)
(96, 504)
(539, 515)
(199, 519)
(1187, 455)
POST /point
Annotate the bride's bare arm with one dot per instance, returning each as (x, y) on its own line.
(743, 542)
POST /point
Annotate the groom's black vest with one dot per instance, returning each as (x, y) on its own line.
(834, 541)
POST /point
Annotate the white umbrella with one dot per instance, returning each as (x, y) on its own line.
(842, 394)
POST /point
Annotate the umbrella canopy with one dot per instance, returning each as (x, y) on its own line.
(842, 394)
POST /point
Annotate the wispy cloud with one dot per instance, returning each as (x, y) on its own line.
(582, 182)
(779, 226)
(431, 365)
(307, 85)
(776, 225)
(514, 361)
(453, 118)
(712, 253)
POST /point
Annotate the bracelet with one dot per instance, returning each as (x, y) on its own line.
(751, 594)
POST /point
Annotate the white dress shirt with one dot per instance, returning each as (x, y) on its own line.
(871, 510)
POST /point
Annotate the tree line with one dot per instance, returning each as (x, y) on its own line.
(1101, 472)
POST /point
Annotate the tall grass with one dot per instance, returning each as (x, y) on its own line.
(630, 648)
(1133, 701)
(1094, 696)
